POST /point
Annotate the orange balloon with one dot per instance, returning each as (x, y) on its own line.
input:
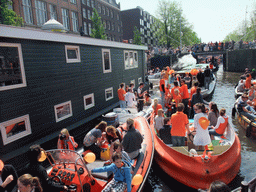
(90, 157)
(204, 122)
(194, 72)
(137, 179)
(42, 157)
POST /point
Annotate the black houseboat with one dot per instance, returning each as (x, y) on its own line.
(49, 81)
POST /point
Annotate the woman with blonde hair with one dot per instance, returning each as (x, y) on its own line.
(156, 106)
(159, 120)
(66, 141)
(27, 183)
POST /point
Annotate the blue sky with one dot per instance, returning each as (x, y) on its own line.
(212, 19)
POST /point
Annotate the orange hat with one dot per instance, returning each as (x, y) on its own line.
(1, 165)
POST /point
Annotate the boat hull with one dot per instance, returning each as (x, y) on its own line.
(194, 171)
(248, 126)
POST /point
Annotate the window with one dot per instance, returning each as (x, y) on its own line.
(89, 14)
(103, 10)
(84, 13)
(89, 101)
(107, 11)
(41, 14)
(12, 73)
(99, 8)
(73, 1)
(140, 80)
(27, 8)
(111, 14)
(65, 18)
(106, 60)
(72, 54)
(15, 129)
(118, 28)
(53, 12)
(90, 28)
(92, 3)
(63, 111)
(83, 2)
(109, 93)
(117, 16)
(104, 24)
(74, 21)
(85, 28)
(88, 3)
(108, 25)
(113, 26)
(130, 59)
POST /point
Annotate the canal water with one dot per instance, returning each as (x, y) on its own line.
(223, 95)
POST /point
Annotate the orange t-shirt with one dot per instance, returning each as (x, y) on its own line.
(184, 90)
(192, 91)
(211, 66)
(247, 83)
(162, 82)
(178, 121)
(159, 106)
(167, 92)
(172, 91)
(121, 94)
(178, 100)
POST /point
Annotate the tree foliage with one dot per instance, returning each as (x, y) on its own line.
(172, 27)
(98, 30)
(8, 16)
(136, 36)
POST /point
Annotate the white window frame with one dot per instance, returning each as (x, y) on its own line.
(53, 11)
(140, 80)
(103, 61)
(92, 104)
(85, 28)
(22, 71)
(27, 9)
(84, 13)
(106, 90)
(73, 1)
(77, 48)
(15, 137)
(74, 18)
(65, 18)
(41, 12)
(132, 63)
(66, 116)
(90, 28)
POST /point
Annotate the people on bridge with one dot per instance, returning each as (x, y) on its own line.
(180, 125)
(66, 141)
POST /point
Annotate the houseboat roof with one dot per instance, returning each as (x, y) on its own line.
(38, 34)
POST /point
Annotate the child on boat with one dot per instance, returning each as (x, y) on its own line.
(159, 120)
(122, 174)
(66, 141)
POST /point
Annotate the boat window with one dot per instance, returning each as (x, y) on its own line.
(106, 59)
(15, 129)
(63, 111)
(109, 93)
(12, 73)
(130, 59)
(89, 101)
(72, 54)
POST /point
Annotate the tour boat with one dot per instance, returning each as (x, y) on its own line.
(73, 169)
(198, 170)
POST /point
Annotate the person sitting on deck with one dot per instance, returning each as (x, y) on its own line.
(112, 135)
(180, 124)
(245, 109)
(213, 114)
(132, 140)
(66, 141)
(240, 86)
(122, 174)
(221, 125)
(92, 140)
(148, 100)
(165, 133)
(156, 106)
(159, 120)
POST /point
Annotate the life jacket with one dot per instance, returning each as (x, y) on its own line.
(71, 144)
(222, 127)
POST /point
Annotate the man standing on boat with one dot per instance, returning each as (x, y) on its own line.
(207, 77)
(162, 90)
(140, 97)
(121, 95)
(184, 95)
(180, 124)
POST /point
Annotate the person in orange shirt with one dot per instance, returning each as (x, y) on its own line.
(162, 90)
(167, 93)
(180, 124)
(248, 81)
(121, 95)
(156, 106)
(211, 66)
(176, 86)
(193, 90)
(185, 95)
(178, 98)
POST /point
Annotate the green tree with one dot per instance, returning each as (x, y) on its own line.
(98, 30)
(136, 36)
(8, 16)
(172, 28)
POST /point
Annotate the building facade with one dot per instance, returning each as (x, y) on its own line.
(75, 15)
(143, 21)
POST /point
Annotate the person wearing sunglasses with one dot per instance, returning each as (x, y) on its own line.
(202, 137)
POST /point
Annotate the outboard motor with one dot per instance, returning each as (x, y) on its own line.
(111, 119)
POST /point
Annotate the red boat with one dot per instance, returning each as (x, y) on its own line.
(70, 168)
(198, 169)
